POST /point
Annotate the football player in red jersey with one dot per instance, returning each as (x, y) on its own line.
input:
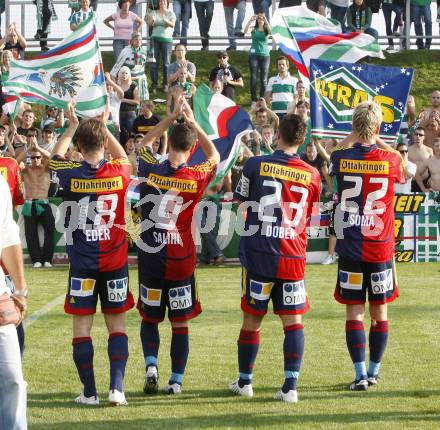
(364, 226)
(169, 193)
(279, 191)
(94, 190)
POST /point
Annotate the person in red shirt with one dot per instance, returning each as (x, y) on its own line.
(170, 192)
(274, 256)
(364, 226)
(94, 192)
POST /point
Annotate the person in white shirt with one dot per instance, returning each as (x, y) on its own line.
(115, 95)
(280, 89)
(410, 171)
(12, 384)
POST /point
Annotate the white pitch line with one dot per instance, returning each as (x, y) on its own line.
(43, 311)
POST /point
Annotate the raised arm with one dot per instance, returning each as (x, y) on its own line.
(269, 28)
(321, 150)
(115, 86)
(10, 151)
(246, 151)
(158, 130)
(382, 145)
(274, 117)
(21, 39)
(20, 156)
(3, 40)
(205, 142)
(43, 152)
(411, 110)
(64, 141)
(164, 147)
(114, 147)
(60, 119)
(170, 98)
(247, 29)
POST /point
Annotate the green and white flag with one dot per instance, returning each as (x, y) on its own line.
(71, 70)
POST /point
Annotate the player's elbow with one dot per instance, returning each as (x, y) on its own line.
(214, 156)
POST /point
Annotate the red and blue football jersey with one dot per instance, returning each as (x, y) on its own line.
(10, 170)
(279, 190)
(364, 218)
(95, 223)
(169, 196)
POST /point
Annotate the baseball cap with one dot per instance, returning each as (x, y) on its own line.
(48, 127)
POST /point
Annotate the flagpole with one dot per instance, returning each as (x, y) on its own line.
(7, 15)
(407, 28)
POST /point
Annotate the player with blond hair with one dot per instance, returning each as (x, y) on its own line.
(364, 225)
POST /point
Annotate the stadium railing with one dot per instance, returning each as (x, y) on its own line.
(23, 12)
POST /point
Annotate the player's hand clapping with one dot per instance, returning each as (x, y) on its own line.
(33, 144)
(178, 106)
(187, 113)
(71, 114)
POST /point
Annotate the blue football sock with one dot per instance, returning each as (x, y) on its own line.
(248, 344)
(355, 337)
(378, 341)
(83, 358)
(150, 340)
(118, 355)
(179, 353)
(293, 351)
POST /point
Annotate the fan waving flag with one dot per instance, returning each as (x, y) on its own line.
(71, 70)
(12, 105)
(225, 123)
(303, 34)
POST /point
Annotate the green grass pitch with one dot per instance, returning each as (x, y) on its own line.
(408, 396)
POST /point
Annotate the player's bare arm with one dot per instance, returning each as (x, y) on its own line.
(321, 150)
(157, 131)
(382, 145)
(114, 147)
(205, 142)
(64, 141)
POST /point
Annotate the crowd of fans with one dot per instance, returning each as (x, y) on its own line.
(130, 112)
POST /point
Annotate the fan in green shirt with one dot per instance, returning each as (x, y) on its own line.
(259, 56)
